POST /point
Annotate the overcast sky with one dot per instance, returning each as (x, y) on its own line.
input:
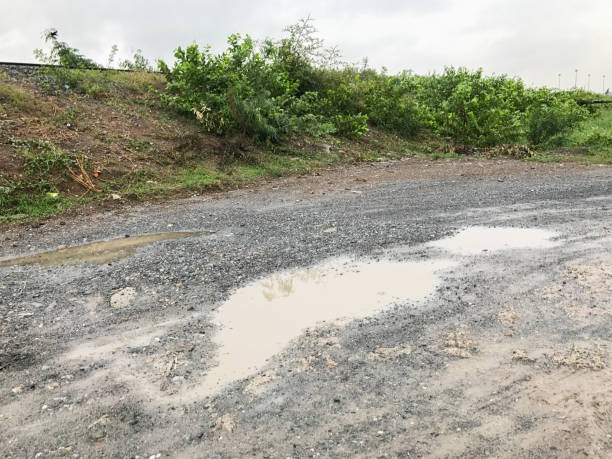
(533, 39)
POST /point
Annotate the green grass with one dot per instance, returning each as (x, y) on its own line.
(20, 99)
(138, 82)
(100, 83)
(35, 194)
(43, 158)
(589, 143)
(172, 181)
(32, 193)
(31, 206)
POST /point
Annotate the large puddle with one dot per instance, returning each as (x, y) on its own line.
(96, 252)
(260, 319)
(479, 239)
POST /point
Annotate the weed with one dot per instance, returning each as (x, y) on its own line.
(140, 145)
(138, 82)
(20, 99)
(68, 117)
(24, 206)
(138, 63)
(43, 158)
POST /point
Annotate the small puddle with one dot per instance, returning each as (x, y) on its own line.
(95, 252)
(478, 239)
(259, 320)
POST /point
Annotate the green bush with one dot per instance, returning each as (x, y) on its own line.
(244, 91)
(551, 114)
(598, 139)
(473, 109)
(62, 54)
(138, 63)
(351, 125)
(296, 85)
(43, 158)
(235, 91)
(288, 86)
(390, 103)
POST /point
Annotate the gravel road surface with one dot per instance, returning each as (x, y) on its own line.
(406, 309)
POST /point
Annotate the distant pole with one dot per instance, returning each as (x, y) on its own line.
(588, 81)
(559, 84)
(576, 79)
(603, 86)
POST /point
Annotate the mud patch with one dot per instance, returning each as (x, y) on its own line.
(594, 277)
(520, 355)
(479, 239)
(226, 422)
(582, 357)
(91, 303)
(583, 290)
(260, 319)
(389, 353)
(328, 341)
(96, 252)
(460, 344)
(507, 318)
(557, 411)
(259, 381)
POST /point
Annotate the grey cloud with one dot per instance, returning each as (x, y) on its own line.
(535, 40)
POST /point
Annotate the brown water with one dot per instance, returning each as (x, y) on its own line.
(479, 239)
(95, 252)
(261, 319)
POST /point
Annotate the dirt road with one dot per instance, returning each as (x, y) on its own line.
(410, 309)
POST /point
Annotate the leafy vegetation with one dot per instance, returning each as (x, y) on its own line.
(259, 109)
(36, 193)
(138, 63)
(62, 54)
(15, 96)
(294, 86)
(68, 69)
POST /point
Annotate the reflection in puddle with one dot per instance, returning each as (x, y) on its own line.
(96, 252)
(260, 319)
(478, 239)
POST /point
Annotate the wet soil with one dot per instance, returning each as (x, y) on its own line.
(95, 252)
(502, 350)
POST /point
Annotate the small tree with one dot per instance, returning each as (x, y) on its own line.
(112, 55)
(62, 54)
(139, 63)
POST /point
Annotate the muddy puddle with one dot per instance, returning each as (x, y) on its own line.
(259, 320)
(96, 252)
(479, 239)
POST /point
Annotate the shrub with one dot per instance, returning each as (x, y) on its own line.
(235, 91)
(244, 91)
(390, 103)
(551, 114)
(138, 63)
(470, 108)
(62, 54)
(351, 125)
(296, 85)
(43, 158)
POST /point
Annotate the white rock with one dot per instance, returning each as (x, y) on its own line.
(123, 297)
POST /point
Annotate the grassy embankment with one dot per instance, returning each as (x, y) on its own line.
(588, 143)
(135, 148)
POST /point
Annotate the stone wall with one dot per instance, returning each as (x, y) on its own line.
(16, 70)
